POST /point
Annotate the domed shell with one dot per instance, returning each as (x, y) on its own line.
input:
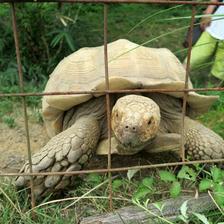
(130, 66)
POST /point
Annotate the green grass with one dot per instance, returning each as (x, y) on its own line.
(10, 121)
(90, 195)
(215, 117)
(140, 23)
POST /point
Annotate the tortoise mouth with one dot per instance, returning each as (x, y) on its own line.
(128, 137)
(130, 145)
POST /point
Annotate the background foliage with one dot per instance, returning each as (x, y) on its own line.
(49, 31)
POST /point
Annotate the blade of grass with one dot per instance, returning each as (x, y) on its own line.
(88, 192)
(209, 193)
(74, 198)
(44, 215)
(11, 202)
(150, 16)
(197, 16)
(151, 213)
(149, 41)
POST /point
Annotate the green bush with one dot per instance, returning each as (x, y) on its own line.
(48, 33)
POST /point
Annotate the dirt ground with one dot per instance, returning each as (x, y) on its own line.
(13, 143)
(13, 148)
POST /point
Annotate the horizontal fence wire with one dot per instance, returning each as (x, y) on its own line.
(92, 92)
(118, 1)
(119, 169)
(107, 92)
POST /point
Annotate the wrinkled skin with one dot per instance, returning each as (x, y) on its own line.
(138, 122)
(135, 121)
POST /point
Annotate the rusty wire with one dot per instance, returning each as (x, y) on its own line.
(96, 92)
(21, 85)
(120, 1)
(141, 167)
(186, 83)
(107, 92)
(105, 12)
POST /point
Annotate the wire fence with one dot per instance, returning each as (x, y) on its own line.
(107, 92)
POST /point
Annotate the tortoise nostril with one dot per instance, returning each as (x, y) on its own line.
(130, 128)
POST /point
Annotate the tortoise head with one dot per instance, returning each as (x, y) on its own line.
(135, 121)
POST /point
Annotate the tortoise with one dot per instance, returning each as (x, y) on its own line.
(147, 121)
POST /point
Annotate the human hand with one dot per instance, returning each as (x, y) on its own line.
(205, 21)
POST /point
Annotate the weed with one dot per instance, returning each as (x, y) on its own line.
(36, 115)
(90, 196)
(214, 118)
(6, 107)
(9, 121)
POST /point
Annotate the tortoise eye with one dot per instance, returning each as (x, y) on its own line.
(150, 121)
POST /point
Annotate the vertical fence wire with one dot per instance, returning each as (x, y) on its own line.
(186, 82)
(21, 86)
(105, 33)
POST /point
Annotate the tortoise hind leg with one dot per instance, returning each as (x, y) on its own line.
(201, 142)
(67, 151)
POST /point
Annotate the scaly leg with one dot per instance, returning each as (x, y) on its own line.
(201, 142)
(67, 151)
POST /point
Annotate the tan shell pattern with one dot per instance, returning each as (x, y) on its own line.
(130, 66)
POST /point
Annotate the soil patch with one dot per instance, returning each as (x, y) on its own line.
(13, 143)
(13, 149)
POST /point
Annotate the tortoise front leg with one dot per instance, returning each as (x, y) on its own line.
(201, 142)
(67, 151)
(165, 142)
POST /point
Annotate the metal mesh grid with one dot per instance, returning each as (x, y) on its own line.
(107, 92)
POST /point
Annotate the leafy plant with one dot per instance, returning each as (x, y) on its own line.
(187, 217)
(6, 106)
(214, 182)
(185, 173)
(117, 184)
(10, 121)
(94, 179)
(168, 177)
(145, 188)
